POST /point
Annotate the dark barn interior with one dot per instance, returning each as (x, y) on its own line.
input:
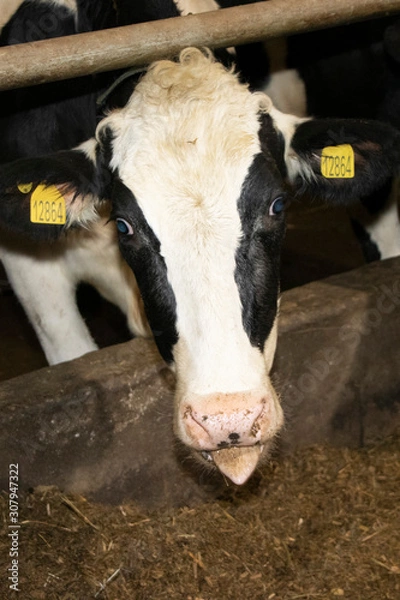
(109, 507)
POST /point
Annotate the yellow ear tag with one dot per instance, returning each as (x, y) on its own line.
(25, 188)
(337, 162)
(47, 206)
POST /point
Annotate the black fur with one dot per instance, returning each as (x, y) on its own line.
(258, 255)
(139, 11)
(343, 69)
(142, 253)
(370, 249)
(58, 115)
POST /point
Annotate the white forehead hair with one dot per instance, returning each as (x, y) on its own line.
(187, 135)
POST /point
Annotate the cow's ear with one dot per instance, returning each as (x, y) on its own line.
(340, 160)
(42, 197)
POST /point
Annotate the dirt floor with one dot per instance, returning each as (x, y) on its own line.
(322, 524)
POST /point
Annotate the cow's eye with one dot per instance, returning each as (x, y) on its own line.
(277, 206)
(124, 227)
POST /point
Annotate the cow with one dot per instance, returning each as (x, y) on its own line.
(199, 170)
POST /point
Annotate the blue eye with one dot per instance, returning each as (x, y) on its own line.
(277, 206)
(124, 227)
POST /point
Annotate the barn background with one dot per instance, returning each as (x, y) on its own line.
(127, 521)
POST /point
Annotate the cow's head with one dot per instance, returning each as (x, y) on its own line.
(196, 168)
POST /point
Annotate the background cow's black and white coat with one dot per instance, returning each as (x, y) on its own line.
(43, 119)
(197, 170)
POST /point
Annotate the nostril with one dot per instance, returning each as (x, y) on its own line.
(234, 437)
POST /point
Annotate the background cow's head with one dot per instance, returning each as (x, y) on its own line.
(197, 170)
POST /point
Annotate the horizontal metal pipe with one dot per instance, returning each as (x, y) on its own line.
(62, 58)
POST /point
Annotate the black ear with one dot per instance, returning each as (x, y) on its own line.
(42, 197)
(342, 159)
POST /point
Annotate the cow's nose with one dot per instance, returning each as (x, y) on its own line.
(218, 421)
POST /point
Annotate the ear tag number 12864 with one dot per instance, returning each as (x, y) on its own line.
(47, 206)
(337, 162)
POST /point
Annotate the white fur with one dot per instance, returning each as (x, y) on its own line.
(187, 7)
(287, 92)
(191, 156)
(286, 124)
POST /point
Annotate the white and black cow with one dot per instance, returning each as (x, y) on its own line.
(197, 169)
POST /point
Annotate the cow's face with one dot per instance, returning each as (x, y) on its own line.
(198, 201)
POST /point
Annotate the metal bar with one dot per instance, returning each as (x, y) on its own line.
(62, 58)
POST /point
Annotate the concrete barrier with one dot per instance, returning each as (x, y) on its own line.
(101, 425)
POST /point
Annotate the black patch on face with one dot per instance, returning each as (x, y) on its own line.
(141, 250)
(258, 255)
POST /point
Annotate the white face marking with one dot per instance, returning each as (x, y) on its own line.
(185, 156)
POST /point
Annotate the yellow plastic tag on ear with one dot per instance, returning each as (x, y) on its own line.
(25, 188)
(337, 162)
(47, 206)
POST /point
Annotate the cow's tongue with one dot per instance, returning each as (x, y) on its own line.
(237, 463)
